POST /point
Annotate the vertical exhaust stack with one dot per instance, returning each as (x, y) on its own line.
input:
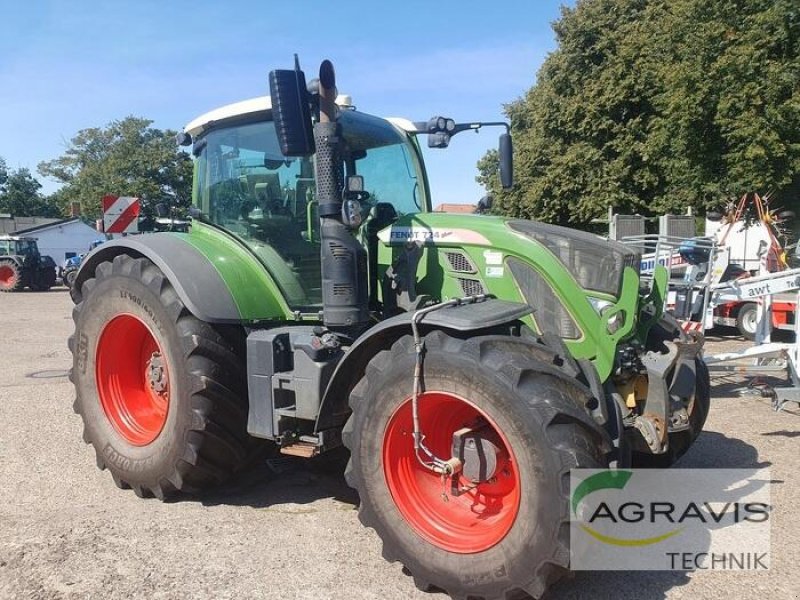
(345, 293)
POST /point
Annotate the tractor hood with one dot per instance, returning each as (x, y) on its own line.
(582, 288)
(597, 264)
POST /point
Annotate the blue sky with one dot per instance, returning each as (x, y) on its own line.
(69, 65)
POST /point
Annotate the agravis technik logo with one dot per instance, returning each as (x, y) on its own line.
(670, 519)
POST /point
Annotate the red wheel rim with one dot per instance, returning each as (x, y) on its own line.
(7, 276)
(474, 520)
(132, 379)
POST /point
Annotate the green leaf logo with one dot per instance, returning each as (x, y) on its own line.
(617, 479)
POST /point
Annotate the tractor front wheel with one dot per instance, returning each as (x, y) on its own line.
(161, 393)
(488, 532)
(10, 276)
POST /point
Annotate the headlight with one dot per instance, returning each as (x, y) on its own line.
(596, 264)
(615, 322)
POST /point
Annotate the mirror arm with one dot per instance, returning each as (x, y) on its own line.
(422, 127)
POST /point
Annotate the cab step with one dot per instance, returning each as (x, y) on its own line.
(301, 449)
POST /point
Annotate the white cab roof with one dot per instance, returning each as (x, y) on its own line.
(238, 109)
(403, 124)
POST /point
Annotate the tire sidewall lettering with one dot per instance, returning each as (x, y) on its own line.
(123, 463)
(154, 321)
(114, 295)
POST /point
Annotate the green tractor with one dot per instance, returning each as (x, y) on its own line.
(467, 362)
(22, 265)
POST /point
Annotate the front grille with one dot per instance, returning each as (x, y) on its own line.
(471, 287)
(596, 264)
(550, 314)
(460, 263)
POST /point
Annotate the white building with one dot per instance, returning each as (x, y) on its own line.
(62, 239)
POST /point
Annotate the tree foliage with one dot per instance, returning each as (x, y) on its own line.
(655, 105)
(127, 157)
(20, 195)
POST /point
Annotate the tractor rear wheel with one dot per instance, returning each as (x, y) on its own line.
(161, 393)
(504, 533)
(10, 276)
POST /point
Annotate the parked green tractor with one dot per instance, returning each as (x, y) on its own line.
(21, 265)
(467, 362)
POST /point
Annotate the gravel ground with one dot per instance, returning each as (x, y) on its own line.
(286, 530)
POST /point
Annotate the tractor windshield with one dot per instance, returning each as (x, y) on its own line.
(244, 184)
(26, 247)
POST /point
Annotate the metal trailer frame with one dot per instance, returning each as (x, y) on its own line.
(662, 250)
(768, 357)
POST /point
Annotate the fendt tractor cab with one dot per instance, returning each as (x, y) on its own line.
(22, 265)
(467, 362)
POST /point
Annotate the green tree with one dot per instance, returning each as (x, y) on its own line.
(127, 157)
(655, 105)
(20, 196)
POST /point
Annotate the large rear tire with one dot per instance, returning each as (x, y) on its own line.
(161, 393)
(509, 534)
(10, 276)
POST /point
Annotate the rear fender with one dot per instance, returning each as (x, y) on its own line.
(196, 281)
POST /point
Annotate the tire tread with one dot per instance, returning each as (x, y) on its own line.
(217, 444)
(578, 439)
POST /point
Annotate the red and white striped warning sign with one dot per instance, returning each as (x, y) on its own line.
(121, 214)
(691, 326)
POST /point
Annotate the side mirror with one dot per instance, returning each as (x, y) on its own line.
(506, 153)
(291, 112)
